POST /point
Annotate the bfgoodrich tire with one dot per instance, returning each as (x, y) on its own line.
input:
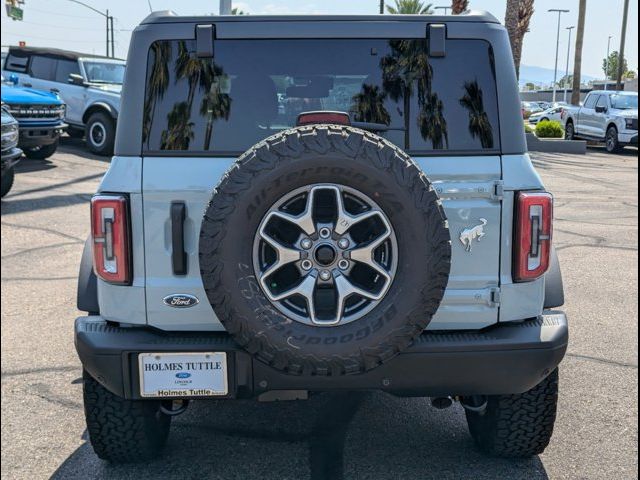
(120, 430)
(514, 426)
(41, 153)
(341, 157)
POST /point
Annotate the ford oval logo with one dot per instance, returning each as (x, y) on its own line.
(180, 300)
(183, 375)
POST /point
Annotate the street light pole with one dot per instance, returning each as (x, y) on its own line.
(606, 65)
(555, 72)
(381, 7)
(625, 16)
(566, 75)
(225, 7)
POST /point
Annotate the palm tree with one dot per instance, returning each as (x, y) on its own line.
(431, 121)
(577, 63)
(410, 7)
(459, 6)
(214, 105)
(368, 106)
(517, 19)
(157, 85)
(406, 67)
(179, 131)
(197, 71)
(479, 124)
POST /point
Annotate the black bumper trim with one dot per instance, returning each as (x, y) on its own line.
(504, 359)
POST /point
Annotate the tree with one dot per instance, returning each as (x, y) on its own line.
(577, 63)
(565, 81)
(459, 6)
(157, 85)
(530, 86)
(517, 19)
(479, 124)
(410, 7)
(610, 65)
(237, 11)
(630, 75)
(368, 105)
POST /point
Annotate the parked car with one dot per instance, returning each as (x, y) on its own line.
(553, 113)
(40, 116)
(529, 108)
(605, 116)
(384, 243)
(10, 152)
(90, 85)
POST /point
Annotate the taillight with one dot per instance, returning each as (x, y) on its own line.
(110, 235)
(534, 229)
(336, 118)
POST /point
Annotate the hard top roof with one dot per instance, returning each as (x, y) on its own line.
(57, 52)
(168, 16)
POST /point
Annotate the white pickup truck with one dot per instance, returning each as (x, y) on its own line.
(609, 117)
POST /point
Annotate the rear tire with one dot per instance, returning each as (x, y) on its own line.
(41, 153)
(7, 181)
(516, 426)
(611, 140)
(569, 131)
(120, 430)
(100, 133)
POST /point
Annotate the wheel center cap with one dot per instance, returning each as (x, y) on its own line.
(325, 255)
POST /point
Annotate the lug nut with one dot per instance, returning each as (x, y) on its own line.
(306, 265)
(306, 243)
(325, 233)
(325, 275)
(343, 264)
(343, 243)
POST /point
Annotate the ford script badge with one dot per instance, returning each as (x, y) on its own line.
(180, 300)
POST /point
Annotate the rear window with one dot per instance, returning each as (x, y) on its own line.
(255, 88)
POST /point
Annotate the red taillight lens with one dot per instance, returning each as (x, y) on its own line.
(534, 229)
(311, 118)
(110, 235)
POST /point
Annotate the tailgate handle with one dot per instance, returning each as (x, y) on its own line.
(178, 254)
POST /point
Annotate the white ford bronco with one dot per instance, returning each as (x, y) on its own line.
(308, 204)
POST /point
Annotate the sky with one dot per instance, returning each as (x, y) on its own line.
(64, 24)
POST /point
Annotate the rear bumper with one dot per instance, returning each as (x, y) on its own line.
(507, 358)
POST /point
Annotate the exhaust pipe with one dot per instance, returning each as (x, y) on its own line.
(477, 403)
(169, 407)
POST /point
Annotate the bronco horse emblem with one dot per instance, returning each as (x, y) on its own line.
(468, 235)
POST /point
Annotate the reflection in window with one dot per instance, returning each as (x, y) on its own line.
(255, 88)
(479, 124)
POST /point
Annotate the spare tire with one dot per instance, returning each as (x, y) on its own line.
(324, 251)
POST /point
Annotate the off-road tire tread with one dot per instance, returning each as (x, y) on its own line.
(289, 146)
(517, 426)
(121, 430)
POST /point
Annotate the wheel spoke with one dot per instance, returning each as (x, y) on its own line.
(305, 289)
(345, 289)
(285, 254)
(344, 220)
(365, 254)
(304, 221)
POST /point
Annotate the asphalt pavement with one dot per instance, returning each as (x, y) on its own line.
(45, 220)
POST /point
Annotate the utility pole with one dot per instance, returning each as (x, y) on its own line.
(381, 7)
(566, 75)
(625, 16)
(555, 72)
(113, 41)
(225, 7)
(606, 65)
(109, 23)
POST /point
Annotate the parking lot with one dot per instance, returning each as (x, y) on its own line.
(45, 220)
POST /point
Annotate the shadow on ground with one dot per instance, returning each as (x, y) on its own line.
(331, 436)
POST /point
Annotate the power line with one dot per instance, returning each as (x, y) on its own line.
(23, 35)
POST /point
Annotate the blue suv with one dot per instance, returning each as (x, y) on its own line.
(40, 116)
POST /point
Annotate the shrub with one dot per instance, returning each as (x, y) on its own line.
(528, 128)
(549, 129)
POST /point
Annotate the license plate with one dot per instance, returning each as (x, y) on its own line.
(202, 374)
